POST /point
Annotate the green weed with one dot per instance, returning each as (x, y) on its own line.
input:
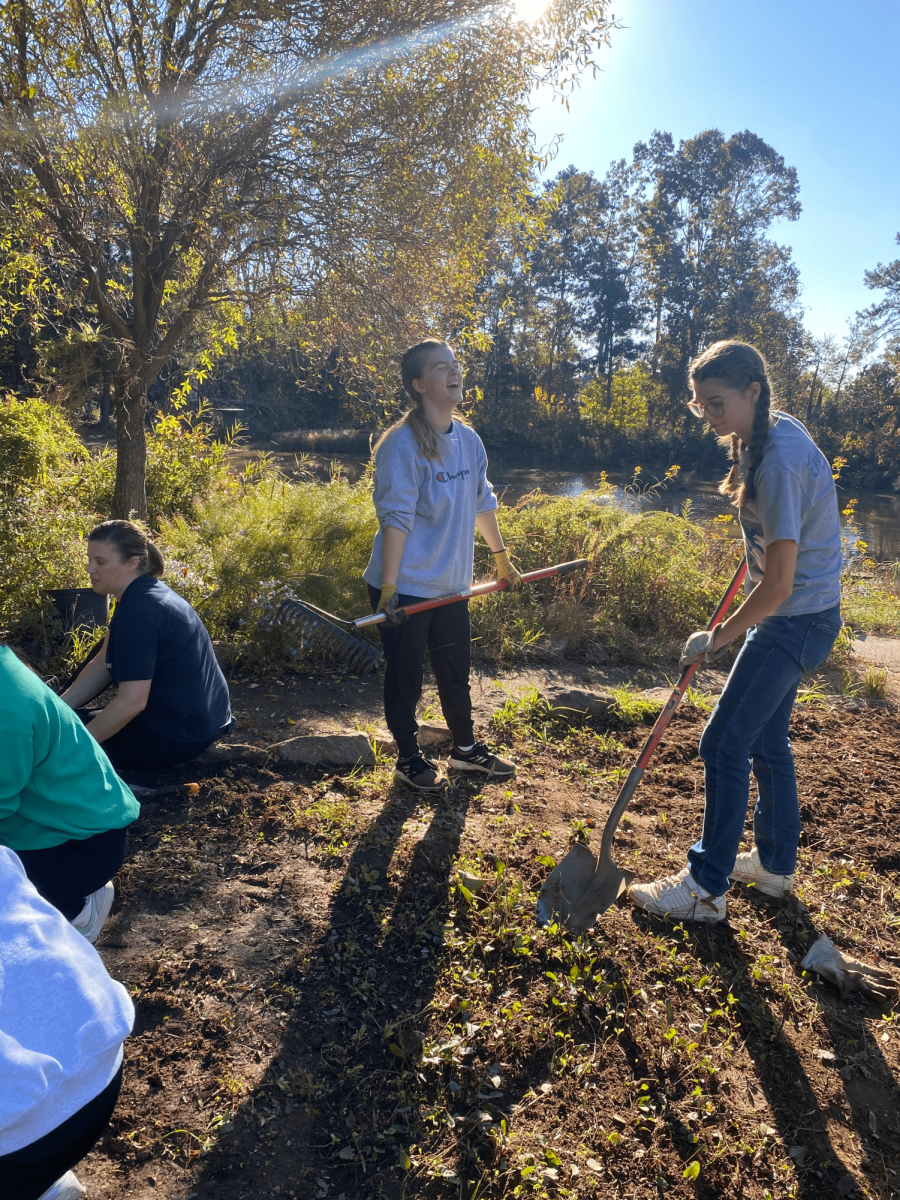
(525, 714)
(814, 695)
(874, 684)
(700, 699)
(632, 708)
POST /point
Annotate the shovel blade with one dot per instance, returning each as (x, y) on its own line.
(580, 888)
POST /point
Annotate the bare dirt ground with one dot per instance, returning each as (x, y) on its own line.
(323, 1011)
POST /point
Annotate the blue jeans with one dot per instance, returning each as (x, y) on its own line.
(750, 725)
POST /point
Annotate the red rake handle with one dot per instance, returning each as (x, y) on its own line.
(688, 673)
(636, 774)
(480, 589)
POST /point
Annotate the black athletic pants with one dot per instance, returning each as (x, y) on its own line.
(66, 875)
(135, 748)
(447, 634)
(29, 1172)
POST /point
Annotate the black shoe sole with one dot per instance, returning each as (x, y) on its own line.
(438, 785)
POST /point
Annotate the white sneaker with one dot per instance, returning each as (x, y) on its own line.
(680, 897)
(748, 869)
(67, 1188)
(91, 919)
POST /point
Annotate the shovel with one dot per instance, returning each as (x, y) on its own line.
(583, 886)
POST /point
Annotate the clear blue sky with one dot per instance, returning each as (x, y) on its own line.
(818, 80)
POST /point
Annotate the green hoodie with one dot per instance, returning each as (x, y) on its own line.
(56, 784)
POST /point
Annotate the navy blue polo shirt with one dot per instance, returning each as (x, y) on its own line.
(155, 634)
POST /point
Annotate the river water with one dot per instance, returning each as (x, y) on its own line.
(877, 514)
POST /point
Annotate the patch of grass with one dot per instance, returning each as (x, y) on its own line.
(521, 715)
(874, 683)
(314, 536)
(340, 440)
(813, 695)
(651, 575)
(632, 708)
(700, 699)
(843, 647)
(869, 602)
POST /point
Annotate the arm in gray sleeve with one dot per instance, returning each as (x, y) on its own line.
(780, 503)
(398, 477)
(485, 500)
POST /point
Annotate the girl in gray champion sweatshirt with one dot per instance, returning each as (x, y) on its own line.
(431, 493)
(435, 503)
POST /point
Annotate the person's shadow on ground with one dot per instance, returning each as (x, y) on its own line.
(355, 1028)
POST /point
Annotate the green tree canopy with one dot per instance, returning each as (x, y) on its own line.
(884, 315)
(176, 161)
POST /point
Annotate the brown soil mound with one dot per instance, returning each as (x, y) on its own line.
(323, 1012)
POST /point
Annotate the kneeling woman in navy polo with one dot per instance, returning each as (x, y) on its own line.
(172, 698)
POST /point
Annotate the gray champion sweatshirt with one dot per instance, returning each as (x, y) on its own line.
(435, 504)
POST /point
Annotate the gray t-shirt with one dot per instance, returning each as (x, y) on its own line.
(795, 500)
(435, 504)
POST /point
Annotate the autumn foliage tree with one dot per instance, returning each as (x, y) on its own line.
(174, 162)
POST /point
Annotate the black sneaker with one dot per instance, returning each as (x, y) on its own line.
(479, 758)
(419, 772)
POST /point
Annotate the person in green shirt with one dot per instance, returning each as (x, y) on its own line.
(63, 809)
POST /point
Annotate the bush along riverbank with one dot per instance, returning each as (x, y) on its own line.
(230, 538)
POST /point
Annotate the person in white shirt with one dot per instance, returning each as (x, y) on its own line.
(63, 1021)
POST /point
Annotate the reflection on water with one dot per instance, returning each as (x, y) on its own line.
(877, 513)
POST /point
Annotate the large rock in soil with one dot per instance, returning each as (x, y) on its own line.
(334, 749)
(431, 735)
(226, 752)
(581, 701)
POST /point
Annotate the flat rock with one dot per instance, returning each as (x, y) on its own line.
(225, 752)
(335, 749)
(383, 740)
(433, 733)
(579, 700)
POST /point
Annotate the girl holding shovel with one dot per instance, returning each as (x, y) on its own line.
(431, 493)
(786, 499)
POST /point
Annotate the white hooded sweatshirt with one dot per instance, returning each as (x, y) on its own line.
(62, 1019)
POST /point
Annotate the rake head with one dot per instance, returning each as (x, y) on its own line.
(318, 633)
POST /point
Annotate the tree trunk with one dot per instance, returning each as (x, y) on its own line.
(841, 380)
(812, 392)
(130, 500)
(104, 402)
(609, 370)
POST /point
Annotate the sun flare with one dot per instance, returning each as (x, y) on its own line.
(529, 10)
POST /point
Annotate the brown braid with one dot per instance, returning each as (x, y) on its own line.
(738, 365)
(758, 441)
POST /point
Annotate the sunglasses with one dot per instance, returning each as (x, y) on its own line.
(715, 408)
